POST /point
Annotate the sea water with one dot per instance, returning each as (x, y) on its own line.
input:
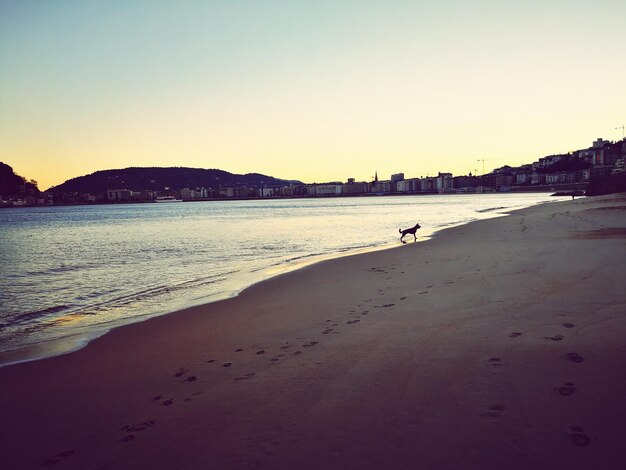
(69, 274)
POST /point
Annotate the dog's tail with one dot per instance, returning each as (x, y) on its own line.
(399, 230)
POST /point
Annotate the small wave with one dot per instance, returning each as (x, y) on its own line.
(30, 316)
(307, 256)
(151, 293)
(55, 270)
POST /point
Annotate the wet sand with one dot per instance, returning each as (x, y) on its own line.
(498, 344)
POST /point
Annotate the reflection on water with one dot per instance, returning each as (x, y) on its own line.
(72, 271)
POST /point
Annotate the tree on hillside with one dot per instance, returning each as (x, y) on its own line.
(15, 185)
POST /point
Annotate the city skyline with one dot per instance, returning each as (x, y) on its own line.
(318, 92)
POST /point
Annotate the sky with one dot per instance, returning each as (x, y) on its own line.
(319, 90)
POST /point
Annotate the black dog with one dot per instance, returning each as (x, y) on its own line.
(409, 231)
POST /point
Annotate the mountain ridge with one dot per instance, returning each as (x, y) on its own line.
(160, 178)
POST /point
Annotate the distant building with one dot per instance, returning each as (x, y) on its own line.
(465, 182)
(227, 192)
(599, 143)
(444, 182)
(428, 184)
(395, 179)
(538, 178)
(381, 187)
(351, 187)
(503, 180)
(619, 167)
(403, 186)
(329, 189)
(119, 195)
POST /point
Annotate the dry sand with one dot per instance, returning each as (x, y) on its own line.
(497, 345)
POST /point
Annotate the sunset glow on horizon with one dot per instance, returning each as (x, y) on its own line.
(315, 91)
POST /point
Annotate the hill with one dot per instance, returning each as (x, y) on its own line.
(15, 185)
(157, 179)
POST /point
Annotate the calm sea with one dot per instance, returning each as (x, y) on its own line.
(69, 274)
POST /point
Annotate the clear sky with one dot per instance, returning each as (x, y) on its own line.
(317, 90)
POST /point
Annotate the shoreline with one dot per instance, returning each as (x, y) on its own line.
(75, 342)
(496, 344)
(517, 190)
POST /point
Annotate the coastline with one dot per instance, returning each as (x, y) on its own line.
(406, 357)
(73, 342)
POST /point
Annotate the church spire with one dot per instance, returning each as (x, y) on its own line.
(376, 176)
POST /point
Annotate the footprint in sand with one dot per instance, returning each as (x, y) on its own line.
(190, 397)
(58, 457)
(249, 375)
(285, 347)
(260, 352)
(227, 364)
(181, 371)
(128, 438)
(567, 389)
(402, 298)
(578, 437)
(156, 397)
(210, 361)
(193, 378)
(277, 358)
(495, 362)
(568, 325)
(168, 402)
(515, 334)
(554, 338)
(326, 331)
(423, 292)
(138, 426)
(365, 312)
(575, 357)
(350, 322)
(310, 343)
(238, 350)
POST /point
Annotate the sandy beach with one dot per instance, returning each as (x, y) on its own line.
(500, 344)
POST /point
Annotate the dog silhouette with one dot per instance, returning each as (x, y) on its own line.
(408, 231)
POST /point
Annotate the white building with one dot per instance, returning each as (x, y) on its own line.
(444, 182)
(329, 189)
